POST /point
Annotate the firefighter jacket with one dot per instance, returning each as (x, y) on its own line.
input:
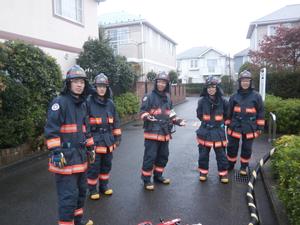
(246, 114)
(158, 105)
(65, 131)
(212, 114)
(104, 123)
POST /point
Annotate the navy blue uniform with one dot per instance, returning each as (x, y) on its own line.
(105, 129)
(211, 133)
(157, 134)
(246, 119)
(65, 132)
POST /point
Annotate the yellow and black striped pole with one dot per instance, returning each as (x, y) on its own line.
(250, 192)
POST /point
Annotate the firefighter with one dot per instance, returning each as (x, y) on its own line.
(246, 121)
(106, 132)
(66, 138)
(212, 112)
(158, 116)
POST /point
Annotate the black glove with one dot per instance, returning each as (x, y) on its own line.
(91, 154)
(118, 140)
(150, 118)
(57, 158)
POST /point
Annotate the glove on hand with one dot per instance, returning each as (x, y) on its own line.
(57, 158)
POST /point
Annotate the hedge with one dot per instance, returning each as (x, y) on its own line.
(286, 167)
(127, 104)
(194, 88)
(31, 79)
(287, 113)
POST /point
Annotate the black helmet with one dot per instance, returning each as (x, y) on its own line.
(162, 76)
(101, 79)
(245, 74)
(212, 80)
(76, 72)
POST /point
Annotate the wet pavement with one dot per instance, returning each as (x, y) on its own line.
(28, 196)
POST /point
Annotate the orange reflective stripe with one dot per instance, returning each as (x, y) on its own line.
(218, 117)
(218, 144)
(260, 122)
(155, 111)
(237, 109)
(159, 169)
(252, 135)
(157, 137)
(90, 141)
(231, 159)
(233, 133)
(250, 110)
(68, 128)
(101, 149)
(224, 143)
(67, 170)
(103, 176)
(78, 212)
(53, 142)
(243, 160)
(203, 171)
(200, 141)
(206, 117)
(209, 143)
(92, 181)
(83, 128)
(144, 114)
(222, 173)
(95, 120)
(65, 222)
(117, 131)
(147, 173)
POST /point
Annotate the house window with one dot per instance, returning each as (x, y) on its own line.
(118, 35)
(211, 65)
(194, 63)
(272, 30)
(69, 9)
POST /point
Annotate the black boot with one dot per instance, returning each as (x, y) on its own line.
(162, 180)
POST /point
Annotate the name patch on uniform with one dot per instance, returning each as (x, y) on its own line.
(55, 107)
(145, 98)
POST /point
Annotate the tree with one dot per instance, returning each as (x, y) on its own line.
(151, 75)
(279, 52)
(97, 57)
(173, 76)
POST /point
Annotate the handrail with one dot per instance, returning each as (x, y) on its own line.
(272, 127)
(250, 192)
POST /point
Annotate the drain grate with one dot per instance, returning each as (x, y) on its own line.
(241, 179)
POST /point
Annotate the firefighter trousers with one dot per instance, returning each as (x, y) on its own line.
(71, 191)
(246, 151)
(98, 172)
(156, 156)
(203, 161)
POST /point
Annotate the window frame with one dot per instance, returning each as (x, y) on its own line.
(66, 18)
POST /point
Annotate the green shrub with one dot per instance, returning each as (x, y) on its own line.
(194, 88)
(286, 166)
(287, 113)
(127, 104)
(31, 79)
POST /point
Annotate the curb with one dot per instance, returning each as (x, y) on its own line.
(270, 185)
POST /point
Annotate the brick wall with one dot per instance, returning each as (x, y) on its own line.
(178, 92)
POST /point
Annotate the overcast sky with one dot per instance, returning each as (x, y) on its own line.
(222, 24)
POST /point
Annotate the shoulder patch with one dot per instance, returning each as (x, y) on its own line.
(145, 98)
(55, 107)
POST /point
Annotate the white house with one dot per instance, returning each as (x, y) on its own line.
(196, 64)
(139, 41)
(59, 27)
(286, 16)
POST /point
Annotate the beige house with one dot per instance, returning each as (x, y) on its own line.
(139, 41)
(286, 16)
(59, 27)
(196, 64)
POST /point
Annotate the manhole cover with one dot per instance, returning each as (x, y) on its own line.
(239, 178)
